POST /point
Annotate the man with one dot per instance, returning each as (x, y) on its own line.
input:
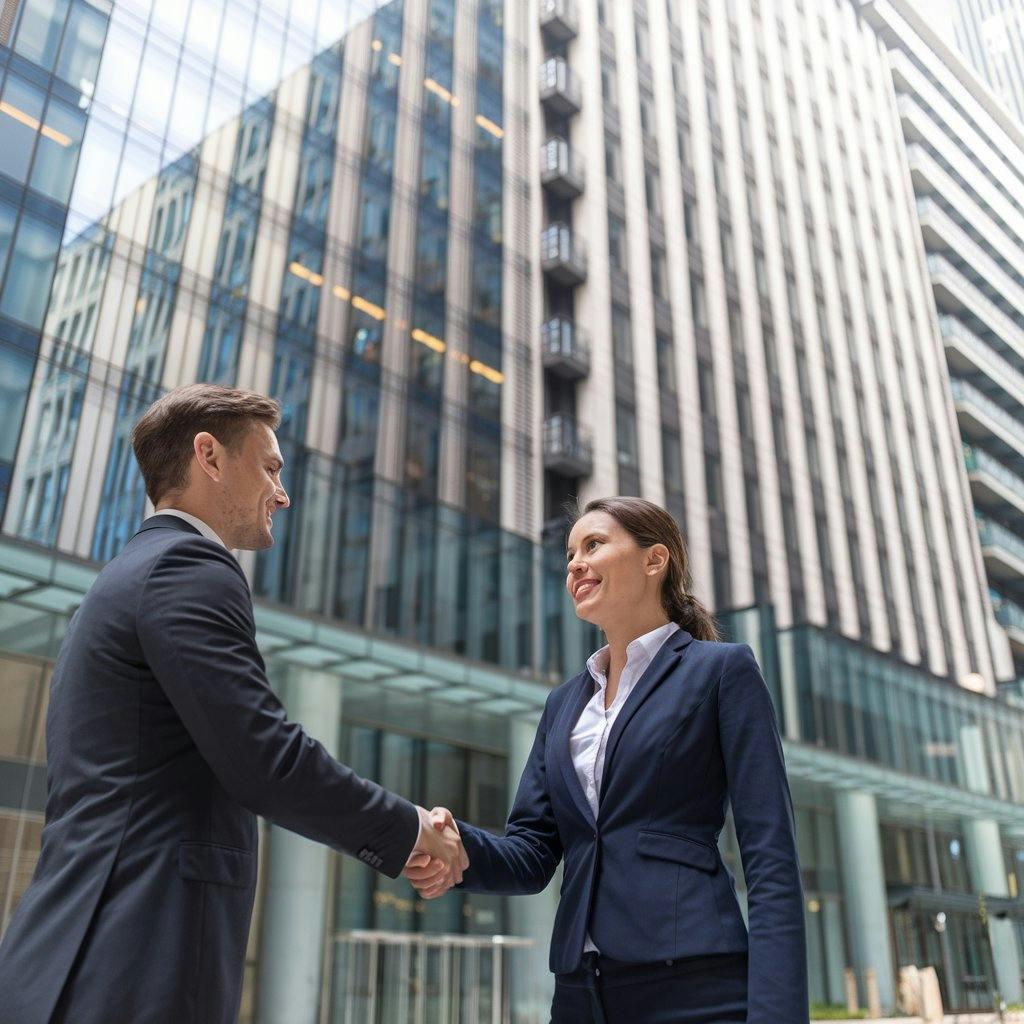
(165, 741)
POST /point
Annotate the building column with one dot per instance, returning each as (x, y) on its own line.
(296, 892)
(867, 910)
(532, 917)
(988, 875)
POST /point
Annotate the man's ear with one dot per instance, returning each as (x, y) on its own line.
(208, 453)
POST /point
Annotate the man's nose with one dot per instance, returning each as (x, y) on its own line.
(282, 498)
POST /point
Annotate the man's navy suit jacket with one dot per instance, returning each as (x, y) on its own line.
(164, 741)
(646, 878)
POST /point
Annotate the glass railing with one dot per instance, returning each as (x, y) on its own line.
(561, 337)
(969, 394)
(564, 437)
(979, 461)
(557, 77)
(559, 159)
(1008, 613)
(559, 244)
(967, 248)
(1004, 325)
(1000, 368)
(993, 534)
(381, 976)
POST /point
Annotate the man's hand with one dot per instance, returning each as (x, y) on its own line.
(437, 862)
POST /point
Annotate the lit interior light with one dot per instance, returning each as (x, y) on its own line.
(420, 335)
(368, 307)
(974, 681)
(489, 126)
(306, 274)
(487, 372)
(377, 45)
(140, 304)
(30, 122)
(395, 59)
(342, 293)
(439, 90)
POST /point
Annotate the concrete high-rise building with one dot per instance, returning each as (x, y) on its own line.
(990, 34)
(491, 256)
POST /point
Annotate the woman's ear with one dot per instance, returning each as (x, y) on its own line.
(656, 560)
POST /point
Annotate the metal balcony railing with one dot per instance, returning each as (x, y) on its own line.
(562, 254)
(559, 87)
(558, 20)
(564, 348)
(561, 170)
(567, 450)
(979, 461)
(995, 535)
(968, 395)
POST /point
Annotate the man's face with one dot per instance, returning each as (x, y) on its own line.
(252, 490)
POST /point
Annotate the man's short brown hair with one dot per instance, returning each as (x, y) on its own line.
(162, 439)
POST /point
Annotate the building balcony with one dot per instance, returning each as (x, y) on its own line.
(559, 87)
(558, 20)
(1010, 616)
(967, 354)
(993, 485)
(983, 419)
(1003, 550)
(561, 170)
(562, 255)
(564, 349)
(566, 449)
(956, 292)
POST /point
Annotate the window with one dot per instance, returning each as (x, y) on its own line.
(613, 159)
(39, 30)
(659, 282)
(625, 434)
(652, 186)
(27, 288)
(616, 242)
(23, 101)
(622, 344)
(647, 124)
(80, 52)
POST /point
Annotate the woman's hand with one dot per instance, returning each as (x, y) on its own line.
(428, 875)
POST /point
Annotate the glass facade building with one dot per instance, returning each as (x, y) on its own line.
(489, 256)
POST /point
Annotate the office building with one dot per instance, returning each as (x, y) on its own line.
(491, 257)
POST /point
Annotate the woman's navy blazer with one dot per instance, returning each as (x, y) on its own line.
(646, 878)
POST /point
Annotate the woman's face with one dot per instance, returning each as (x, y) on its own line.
(609, 576)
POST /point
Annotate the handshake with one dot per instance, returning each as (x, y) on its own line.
(437, 862)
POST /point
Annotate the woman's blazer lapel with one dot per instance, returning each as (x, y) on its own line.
(664, 663)
(581, 689)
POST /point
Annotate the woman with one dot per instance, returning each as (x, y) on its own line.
(628, 780)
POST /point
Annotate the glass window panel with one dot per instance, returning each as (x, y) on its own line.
(40, 29)
(8, 215)
(27, 288)
(83, 46)
(57, 154)
(153, 94)
(16, 366)
(93, 189)
(115, 84)
(20, 118)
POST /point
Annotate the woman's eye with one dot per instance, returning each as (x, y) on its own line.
(590, 544)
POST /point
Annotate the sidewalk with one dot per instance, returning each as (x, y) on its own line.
(1011, 1017)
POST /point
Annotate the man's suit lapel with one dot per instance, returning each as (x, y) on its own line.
(665, 661)
(580, 692)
